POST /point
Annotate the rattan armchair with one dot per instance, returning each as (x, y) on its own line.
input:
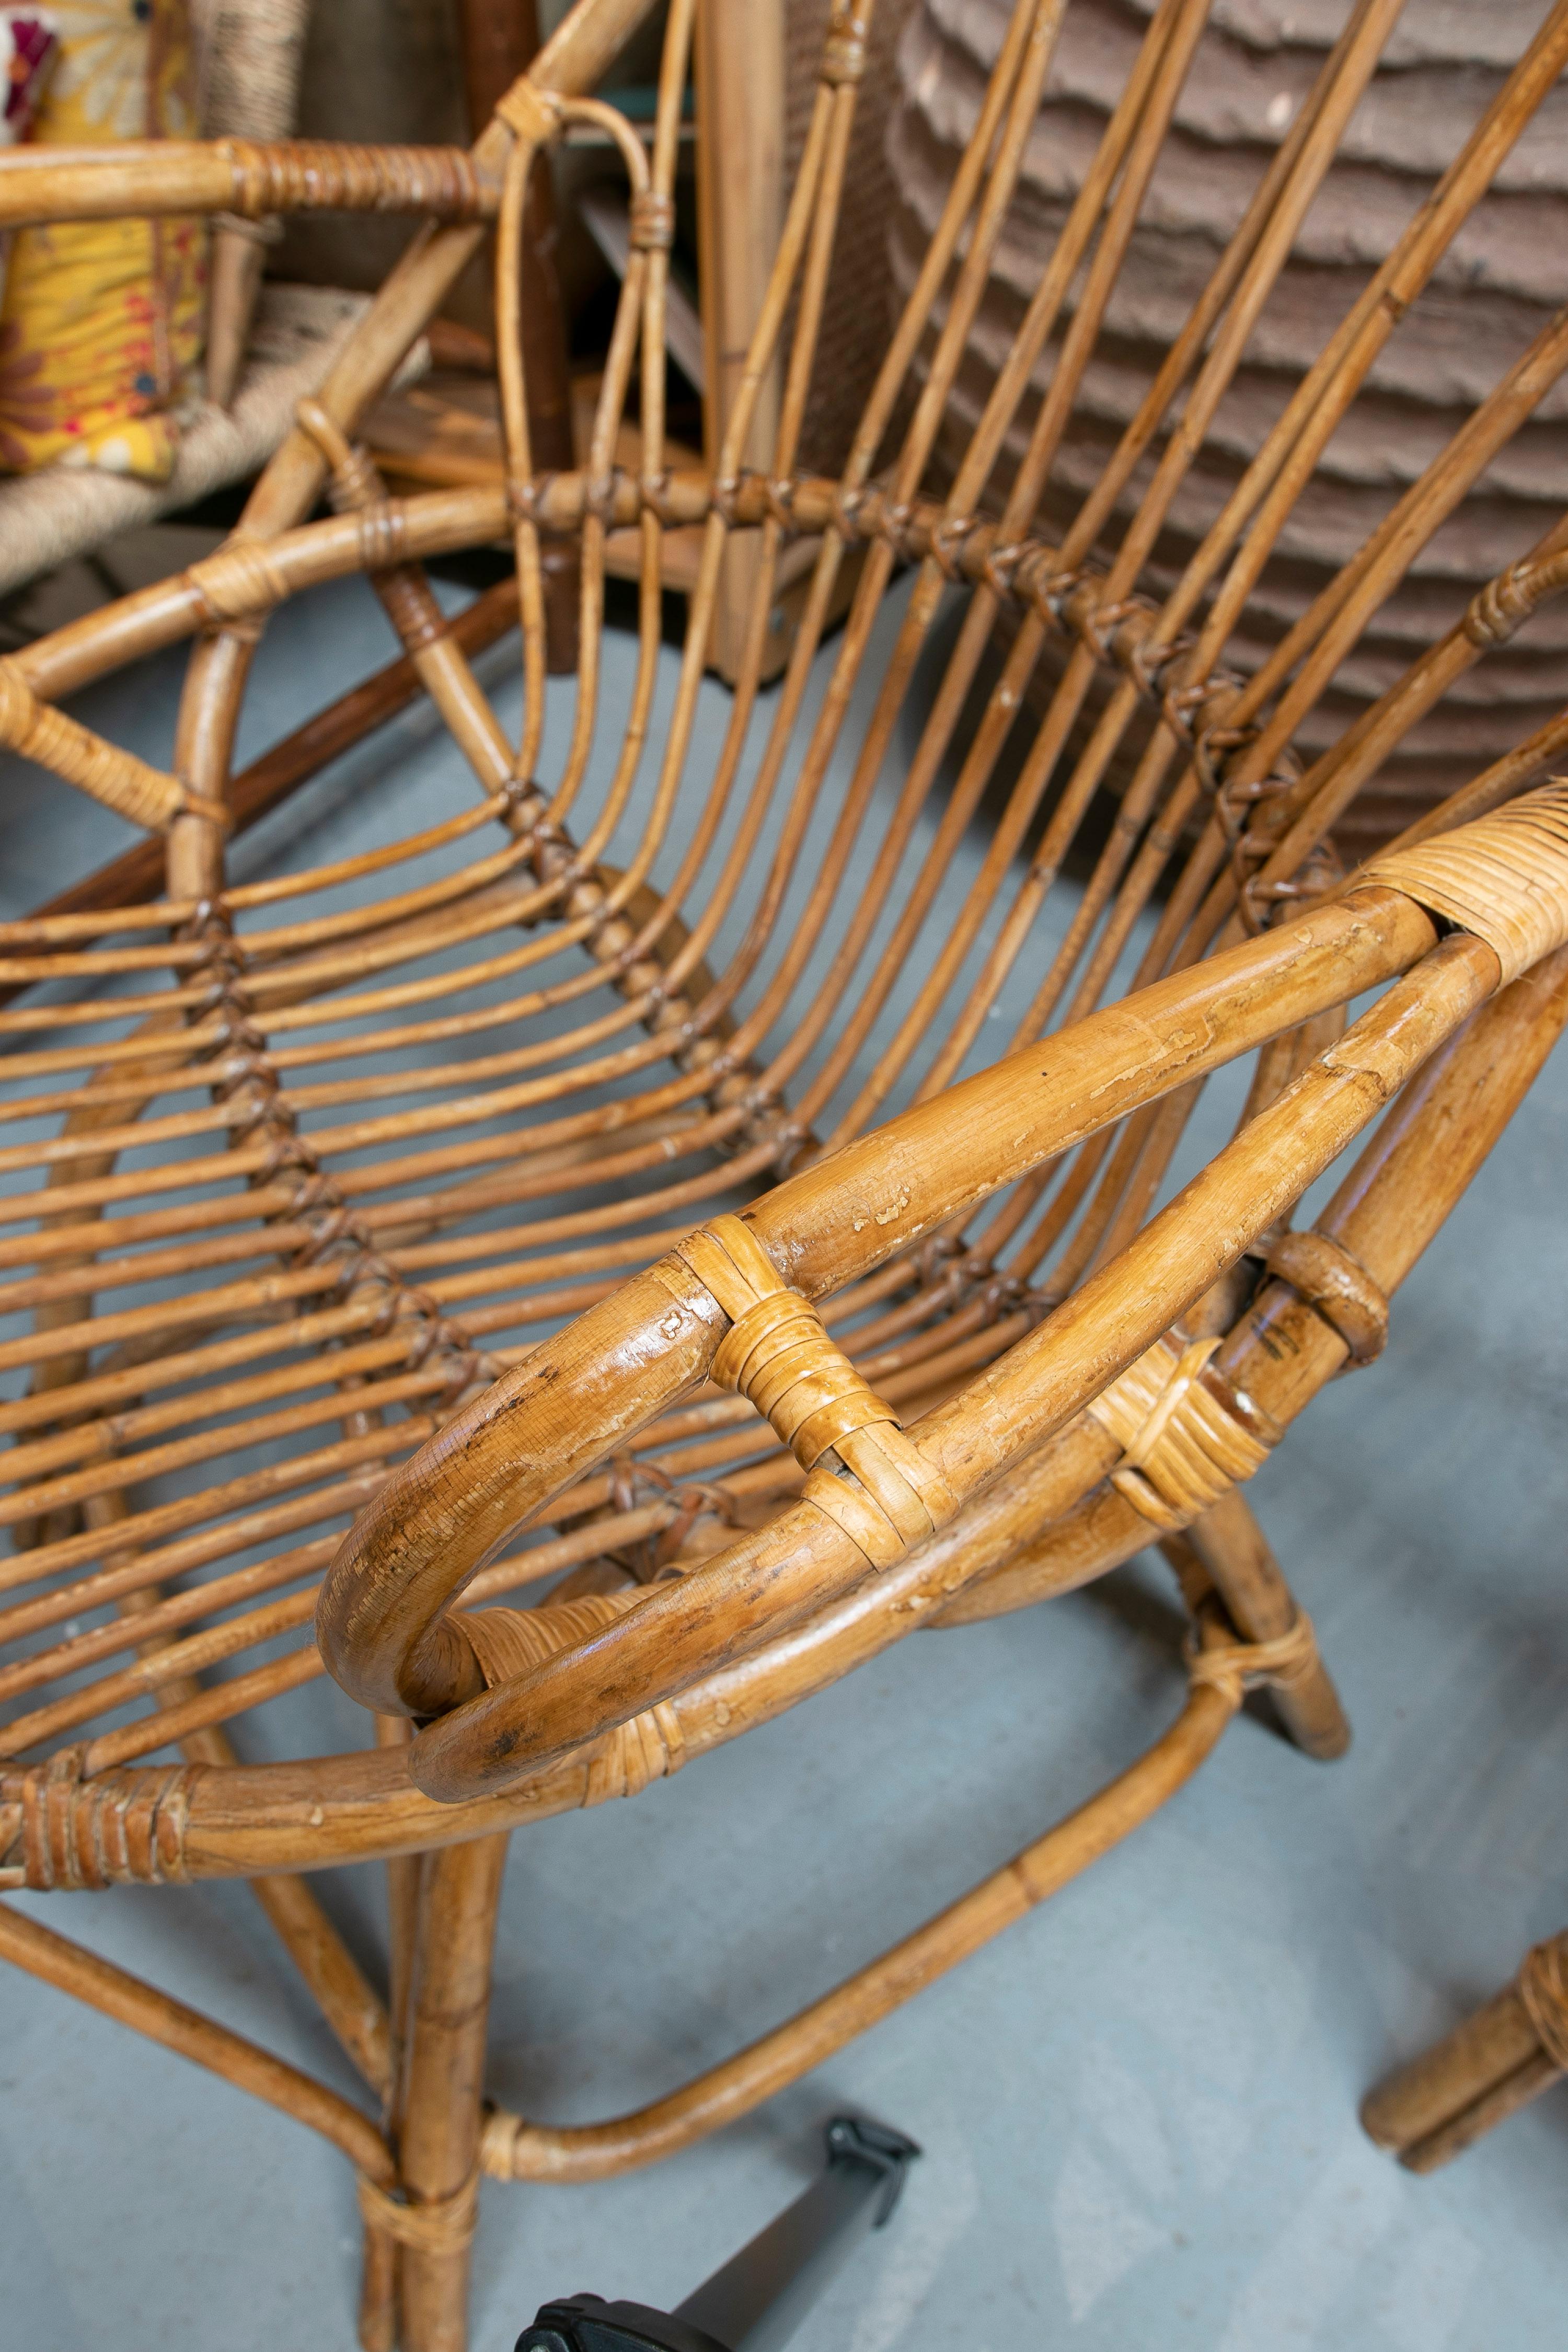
(530, 1202)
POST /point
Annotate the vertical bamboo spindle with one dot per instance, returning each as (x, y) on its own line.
(501, 41)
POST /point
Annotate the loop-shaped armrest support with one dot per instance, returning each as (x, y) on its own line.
(584, 1395)
(1501, 883)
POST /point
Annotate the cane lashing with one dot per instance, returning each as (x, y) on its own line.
(120, 1829)
(777, 1354)
(1504, 879)
(511, 1642)
(437, 2225)
(1182, 1450)
(1542, 1983)
(651, 224)
(239, 585)
(1233, 1668)
(354, 486)
(844, 50)
(119, 779)
(531, 112)
(333, 175)
(1325, 1274)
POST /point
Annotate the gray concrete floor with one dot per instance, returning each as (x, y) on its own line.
(1139, 2106)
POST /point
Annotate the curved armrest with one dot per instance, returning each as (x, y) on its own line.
(584, 1395)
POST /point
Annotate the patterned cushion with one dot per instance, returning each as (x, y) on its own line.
(28, 46)
(101, 329)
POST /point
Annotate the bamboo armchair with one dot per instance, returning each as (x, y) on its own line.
(362, 1192)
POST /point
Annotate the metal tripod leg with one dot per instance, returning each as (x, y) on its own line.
(760, 2297)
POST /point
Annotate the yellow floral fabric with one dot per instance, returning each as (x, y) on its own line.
(100, 329)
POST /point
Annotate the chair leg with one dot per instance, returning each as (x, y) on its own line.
(1237, 1554)
(1494, 2062)
(439, 2150)
(379, 2286)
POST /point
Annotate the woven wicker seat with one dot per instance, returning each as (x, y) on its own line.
(373, 1242)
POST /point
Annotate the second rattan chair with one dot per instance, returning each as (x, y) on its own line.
(1514, 2047)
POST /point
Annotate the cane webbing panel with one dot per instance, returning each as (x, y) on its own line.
(1506, 880)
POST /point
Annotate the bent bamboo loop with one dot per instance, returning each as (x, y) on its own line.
(370, 1622)
(251, 1819)
(516, 2149)
(429, 1536)
(734, 1603)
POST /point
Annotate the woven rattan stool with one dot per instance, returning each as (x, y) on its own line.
(517, 1187)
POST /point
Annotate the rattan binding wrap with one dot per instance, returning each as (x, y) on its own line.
(119, 779)
(1182, 1450)
(441, 2225)
(1505, 881)
(1326, 1276)
(778, 1355)
(1234, 1668)
(508, 1642)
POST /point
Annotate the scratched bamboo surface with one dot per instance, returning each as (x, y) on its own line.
(361, 1192)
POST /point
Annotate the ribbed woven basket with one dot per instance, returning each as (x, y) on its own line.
(1499, 284)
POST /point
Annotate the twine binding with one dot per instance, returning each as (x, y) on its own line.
(509, 1642)
(777, 1354)
(1504, 879)
(1233, 1668)
(1182, 1450)
(437, 2225)
(1542, 1987)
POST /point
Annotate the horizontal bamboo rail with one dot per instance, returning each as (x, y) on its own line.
(29, 1945)
(252, 179)
(514, 2149)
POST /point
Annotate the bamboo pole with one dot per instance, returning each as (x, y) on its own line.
(519, 2150)
(438, 2141)
(1507, 2053)
(116, 1993)
(252, 179)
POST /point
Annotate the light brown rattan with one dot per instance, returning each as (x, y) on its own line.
(341, 1172)
(1495, 2062)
